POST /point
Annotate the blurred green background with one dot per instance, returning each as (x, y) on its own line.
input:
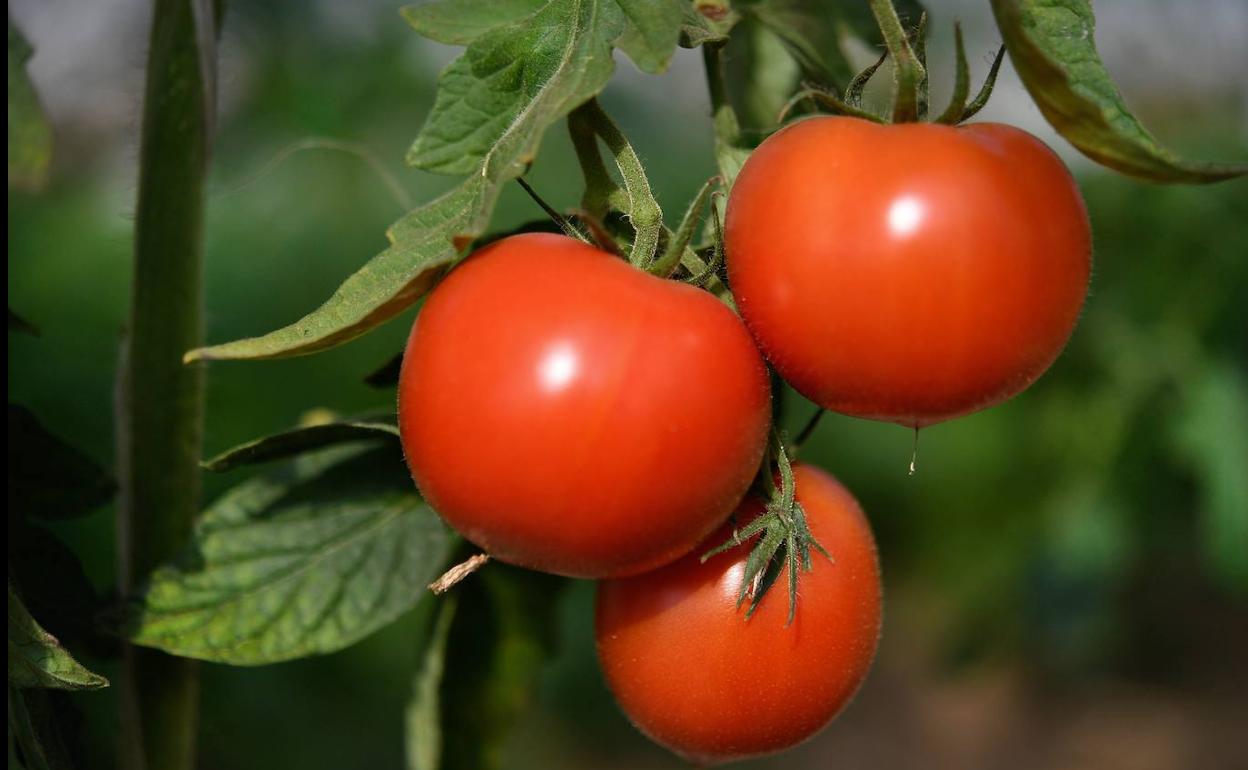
(1066, 575)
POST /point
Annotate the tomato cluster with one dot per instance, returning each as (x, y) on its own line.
(569, 413)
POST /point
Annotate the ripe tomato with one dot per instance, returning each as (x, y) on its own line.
(909, 273)
(569, 413)
(695, 675)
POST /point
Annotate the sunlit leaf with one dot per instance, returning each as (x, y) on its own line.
(424, 245)
(496, 100)
(1053, 47)
(303, 560)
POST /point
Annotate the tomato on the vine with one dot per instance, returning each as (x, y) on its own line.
(696, 675)
(570, 413)
(910, 273)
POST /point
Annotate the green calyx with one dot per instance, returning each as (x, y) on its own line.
(784, 539)
(908, 51)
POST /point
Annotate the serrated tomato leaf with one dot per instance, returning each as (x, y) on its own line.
(48, 478)
(30, 136)
(37, 659)
(1052, 44)
(648, 34)
(652, 31)
(424, 245)
(304, 560)
(480, 668)
(459, 22)
(298, 440)
(496, 100)
(697, 29)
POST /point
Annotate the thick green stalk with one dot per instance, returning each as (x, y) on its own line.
(160, 401)
(908, 71)
(643, 210)
(729, 155)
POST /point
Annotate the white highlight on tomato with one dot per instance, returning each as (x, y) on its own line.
(558, 367)
(905, 215)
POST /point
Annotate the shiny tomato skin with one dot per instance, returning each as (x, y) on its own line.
(695, 675)
(910, 273)
(569, 413)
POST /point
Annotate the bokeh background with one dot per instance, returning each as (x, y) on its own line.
(1066, 575)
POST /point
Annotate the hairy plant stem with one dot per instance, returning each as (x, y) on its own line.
(908, 71)
(643, 210)
(159, 400)
(728, 153)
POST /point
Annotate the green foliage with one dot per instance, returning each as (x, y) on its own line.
(303, 439)
(47, 477)
(516, 78)
(37, 659)
(424, 245)
(1211, 436)
(1052, 44)
(303, 560)
(30, 136)
(479, 668)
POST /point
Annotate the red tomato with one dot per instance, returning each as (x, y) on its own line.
(696, 676)
(909, 273)
(569, 413)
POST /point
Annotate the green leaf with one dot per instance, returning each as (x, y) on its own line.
(459, 22)
(1210, 437)
(815, 32)
(649, 34)
(480, 667)
(37, 659)
(47, 477)
(653, 30)
(1052, 45)
(698, 29)
(424, 245)
(304, 560)
(761, 75)
(30, 136)
(292, 442)
(495, 101)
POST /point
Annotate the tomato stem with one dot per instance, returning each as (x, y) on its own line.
(808, 429)
(704, 277)
(642, 209)
(908, 71)
(729, 154)
(560, 221)
(679, 241)
(599, 186)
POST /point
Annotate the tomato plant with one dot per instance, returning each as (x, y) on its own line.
(945, 278)
(591, 394)
(548, 392)
(678, 650)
